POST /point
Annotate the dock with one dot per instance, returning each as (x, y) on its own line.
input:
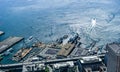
(7, 43)
(1, 33)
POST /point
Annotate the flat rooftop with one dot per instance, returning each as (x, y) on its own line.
(63, 64)
(66, 49)
(90, 59)
(115, 47)
(79, 52)
(51, 52)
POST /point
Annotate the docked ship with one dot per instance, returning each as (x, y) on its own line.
(21, 54)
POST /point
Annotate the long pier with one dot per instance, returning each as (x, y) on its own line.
(7, 43)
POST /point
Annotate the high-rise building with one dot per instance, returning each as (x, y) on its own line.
(113, 63)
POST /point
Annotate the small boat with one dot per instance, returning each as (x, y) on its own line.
(1, 57)
(10, 50)
(30, 38)
(93, 22)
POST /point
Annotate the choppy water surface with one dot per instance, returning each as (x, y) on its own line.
(41, 17)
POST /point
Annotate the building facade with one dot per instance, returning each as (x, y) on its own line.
(113, 63)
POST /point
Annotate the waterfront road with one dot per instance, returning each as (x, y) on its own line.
(19, 65)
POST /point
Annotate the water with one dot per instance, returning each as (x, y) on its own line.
(38, 18)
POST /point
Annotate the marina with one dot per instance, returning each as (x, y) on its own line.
(7, 43)
(63, 47)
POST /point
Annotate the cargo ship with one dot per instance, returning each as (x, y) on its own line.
(21, 54)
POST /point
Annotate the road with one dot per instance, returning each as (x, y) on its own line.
(19, 65)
